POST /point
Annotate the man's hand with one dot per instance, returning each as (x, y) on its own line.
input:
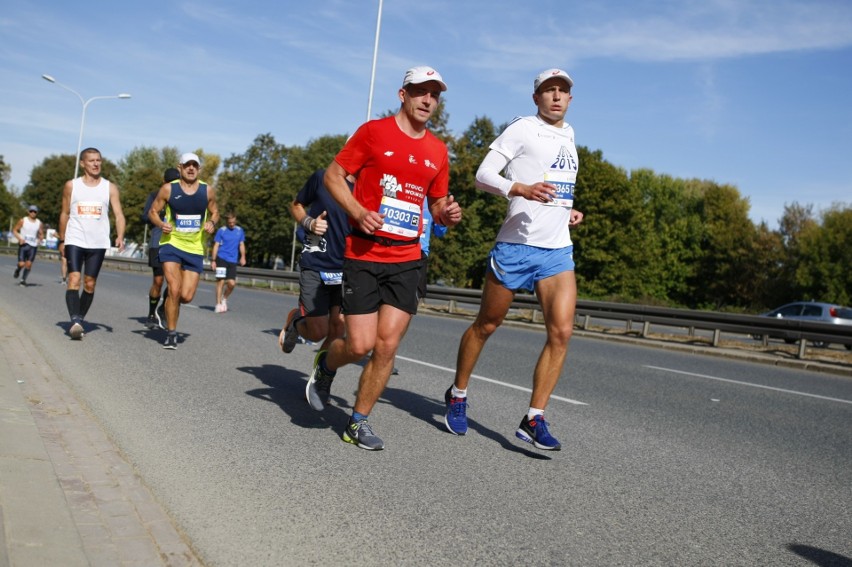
(320, 224)
(576, 218)
(541, 192)
(370, 221)
(451, 214)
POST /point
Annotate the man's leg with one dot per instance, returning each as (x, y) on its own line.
(493, 307)
(392, 324)
(558, 298)
(229, 288)
(220, 286)
(88, 294)
(172, 273)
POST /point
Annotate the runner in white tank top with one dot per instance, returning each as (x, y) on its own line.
(29, 231)
(84, 233)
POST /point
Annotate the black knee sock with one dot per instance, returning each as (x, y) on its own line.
(85, 302)
(152, 305)
(25, 274)
(72, 300)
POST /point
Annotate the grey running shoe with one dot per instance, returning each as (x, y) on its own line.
(318, 389)
(170, 342)
(152, 322)
(76, 330)
(291, 335)
(22, 283)
(361, 434)
(160, 312)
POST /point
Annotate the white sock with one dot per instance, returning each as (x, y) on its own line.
(534, 412)
(456, 393)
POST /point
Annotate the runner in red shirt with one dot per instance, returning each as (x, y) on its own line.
(398, 163)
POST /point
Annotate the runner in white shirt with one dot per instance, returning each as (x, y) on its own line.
(29, 231)
(85, 231)
(533, 251)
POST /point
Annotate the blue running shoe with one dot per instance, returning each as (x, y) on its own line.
(456, 417)
(535, 431)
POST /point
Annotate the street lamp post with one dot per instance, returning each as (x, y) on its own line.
(375, 56)
(85, 104)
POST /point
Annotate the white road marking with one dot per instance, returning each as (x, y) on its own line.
(794, 392)
(491, 380)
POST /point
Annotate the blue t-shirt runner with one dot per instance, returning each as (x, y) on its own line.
(229, 242)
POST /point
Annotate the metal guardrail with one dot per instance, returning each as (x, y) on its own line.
(754, 325)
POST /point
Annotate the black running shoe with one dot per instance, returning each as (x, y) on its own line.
(170, 342)
(160, 312)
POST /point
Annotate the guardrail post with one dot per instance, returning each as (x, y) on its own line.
(802, 344)
(534, 315)
(717, 334)
(451, 306)
(586, 320)
(646, 328)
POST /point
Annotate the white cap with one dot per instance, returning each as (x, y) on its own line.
(549, 74)
(188, 157)
(423, 74)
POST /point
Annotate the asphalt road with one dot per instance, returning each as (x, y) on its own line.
(668, 458)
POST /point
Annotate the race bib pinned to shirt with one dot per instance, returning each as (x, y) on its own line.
(564, 183)
(187, 223)
(401, 217)
(90, 209)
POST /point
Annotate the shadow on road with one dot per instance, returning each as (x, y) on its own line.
(819, 556)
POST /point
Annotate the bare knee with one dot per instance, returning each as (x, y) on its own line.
(358, 349)
(560, 334)
(484, 328)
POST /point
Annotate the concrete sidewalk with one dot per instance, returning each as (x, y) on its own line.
(67, 495)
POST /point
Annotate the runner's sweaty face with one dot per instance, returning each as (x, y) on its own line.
(552, 99)
(189, 171)
(419, 102)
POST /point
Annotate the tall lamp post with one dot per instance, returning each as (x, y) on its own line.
(375, 56)
(85, 104)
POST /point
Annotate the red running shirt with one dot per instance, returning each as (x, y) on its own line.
(395, 174)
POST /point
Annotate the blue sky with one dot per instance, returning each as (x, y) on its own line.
(755, 94)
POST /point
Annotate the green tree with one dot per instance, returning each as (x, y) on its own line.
(253, 186)
(610, 246)
(460, 257)
(826, 255)
(140, 173)
(673, 244)
(726, 265)
(10, 207)
(796, 220)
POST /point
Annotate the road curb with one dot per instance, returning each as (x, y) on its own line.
(68, 495)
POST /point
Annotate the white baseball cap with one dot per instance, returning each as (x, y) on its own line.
(423, 74)
(549, 74)
(188, 157)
